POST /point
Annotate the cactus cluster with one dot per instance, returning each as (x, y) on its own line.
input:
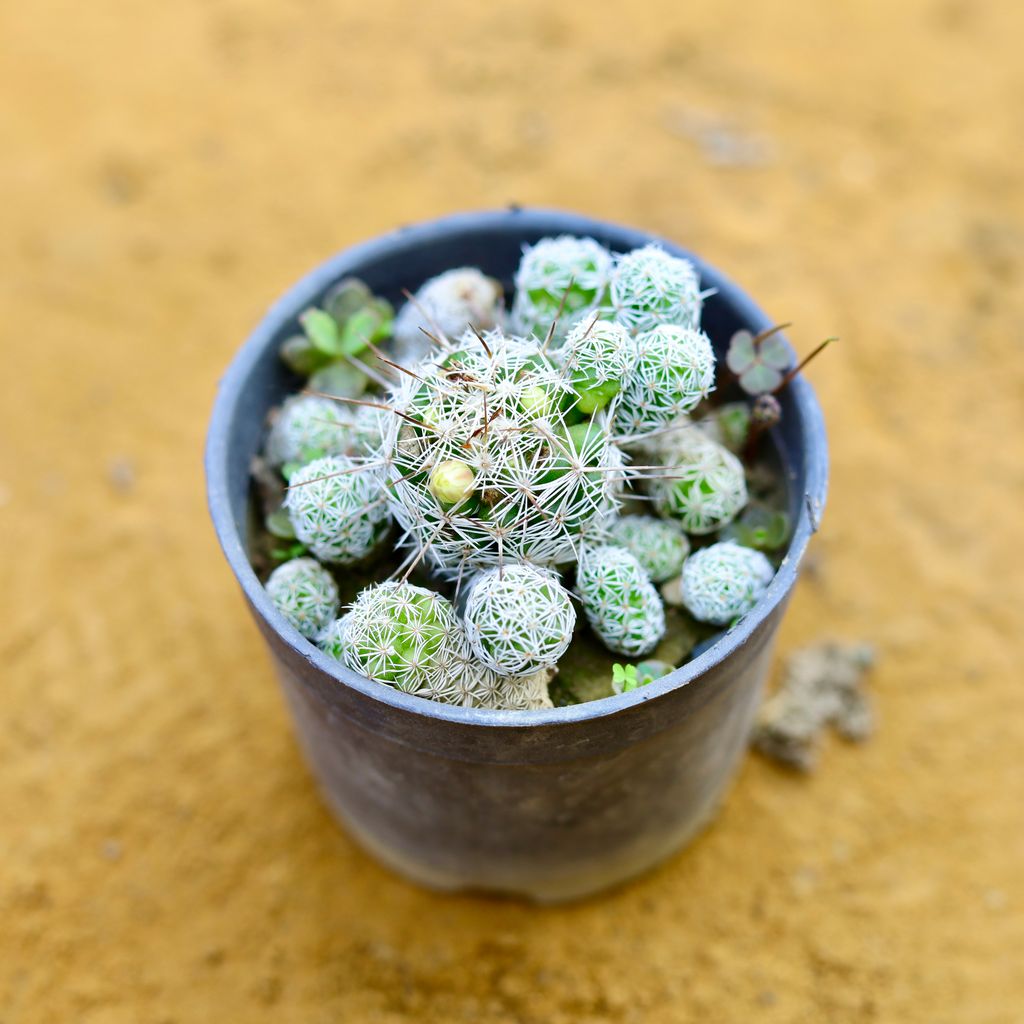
(494, 452)
(484, 465)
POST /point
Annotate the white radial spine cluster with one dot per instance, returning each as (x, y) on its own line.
(445, 306)
(336, 508)
(673, 369)
(308, 427)
(405, 636)
(659, 545)
(702, 485)
(598, 350)
(519, 619)
(724, 581)
(576, 269)
(621, 604)
(528, 693)
(650, 287)
(305, 593)
(537, 484)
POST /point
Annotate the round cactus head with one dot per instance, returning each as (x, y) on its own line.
(659, 545)
(673, 368)
(445, 306)
(405, 636)
(724, 581)
(336, 507)
(308, 427)
(519, 619)
(564, 272)
(621, 604)
(597, 356)
(703, 484)
(649, 287)
(483, 467)
(305, 593)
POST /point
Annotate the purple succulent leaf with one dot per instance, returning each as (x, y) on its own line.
(759, 379)
(774, 352)
(741, 354)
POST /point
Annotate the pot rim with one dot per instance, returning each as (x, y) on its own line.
(550, 221)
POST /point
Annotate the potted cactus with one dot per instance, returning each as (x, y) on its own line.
(518, 563)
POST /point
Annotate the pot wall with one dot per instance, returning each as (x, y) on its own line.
(550, 805)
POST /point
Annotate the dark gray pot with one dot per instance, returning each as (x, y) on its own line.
(551, 805)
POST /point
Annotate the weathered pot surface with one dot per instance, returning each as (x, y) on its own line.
(552, 804)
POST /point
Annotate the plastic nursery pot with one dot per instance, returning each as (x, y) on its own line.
(552, 804)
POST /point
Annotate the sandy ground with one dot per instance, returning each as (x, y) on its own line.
(168, 168)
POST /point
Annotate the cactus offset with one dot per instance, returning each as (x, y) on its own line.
(519, 619)
(559, 280)
(703, 484)
(659, 545)
(649, 287)
(336, 509)
(445, 306)
(308, 427)
(405, 636)
(305, 593)
(724, 581)
(673, 368)
(621, 604)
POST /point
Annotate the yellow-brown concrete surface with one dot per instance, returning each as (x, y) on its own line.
(168, 168)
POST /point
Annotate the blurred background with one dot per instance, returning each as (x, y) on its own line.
(170, 168)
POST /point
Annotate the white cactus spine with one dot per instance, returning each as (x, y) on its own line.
(649, 287)
(673, 369)
(724, 581)
(519, 619)
(703, 484)
(336, 509)
(305, 593)
(621, 604)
